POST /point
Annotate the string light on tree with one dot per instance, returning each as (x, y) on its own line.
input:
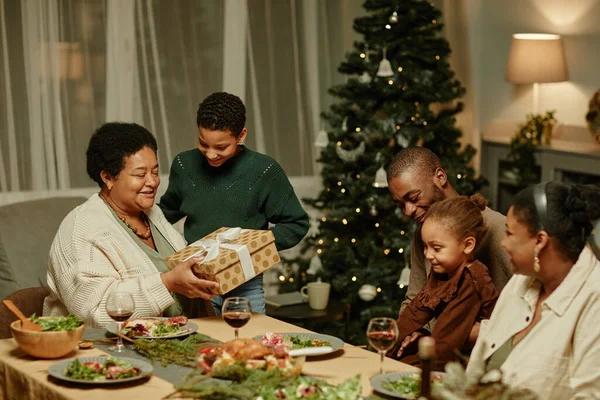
(394, 18)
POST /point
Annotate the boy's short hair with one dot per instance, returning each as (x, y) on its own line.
(222, 112)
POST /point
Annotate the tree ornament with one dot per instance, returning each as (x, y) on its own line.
(322, 139)
(394, 18)
(373, 211)
(385, 67)
(367, 292)
(365, 78)
(380, 178)
(404, 278)
(350, 155)
(315, 265)
(402, 140)
(345, 125)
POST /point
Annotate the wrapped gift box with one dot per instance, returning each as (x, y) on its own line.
(240, 254)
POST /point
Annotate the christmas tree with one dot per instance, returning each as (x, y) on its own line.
(400, 92)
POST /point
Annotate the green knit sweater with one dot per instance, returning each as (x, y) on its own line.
(249, 190)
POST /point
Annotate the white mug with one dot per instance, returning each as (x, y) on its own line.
(318, 294)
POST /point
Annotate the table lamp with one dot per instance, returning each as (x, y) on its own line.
(536, 58)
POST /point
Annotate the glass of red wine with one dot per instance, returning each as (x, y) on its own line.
(120, 307)
(236, 311)
(382, 333)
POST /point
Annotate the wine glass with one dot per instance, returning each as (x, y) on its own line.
(382, 333)
(119, 306)
(236, 311)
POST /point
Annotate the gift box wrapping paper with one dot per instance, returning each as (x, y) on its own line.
(227, 268)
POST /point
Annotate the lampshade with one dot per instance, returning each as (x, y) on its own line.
(536, 58)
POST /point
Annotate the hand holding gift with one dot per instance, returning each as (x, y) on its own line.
(181, 279)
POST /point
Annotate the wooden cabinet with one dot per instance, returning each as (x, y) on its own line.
(574, 157)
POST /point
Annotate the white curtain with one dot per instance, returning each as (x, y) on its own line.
(67, 66)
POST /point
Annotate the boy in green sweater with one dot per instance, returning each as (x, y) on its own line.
(223, 183)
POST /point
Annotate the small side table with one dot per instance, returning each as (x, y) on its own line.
(299, 314)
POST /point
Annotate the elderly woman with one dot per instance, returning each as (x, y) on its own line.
(544, 332)
(118, 239)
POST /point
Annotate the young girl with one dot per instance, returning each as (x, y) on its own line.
(223, 183)
(459, 291)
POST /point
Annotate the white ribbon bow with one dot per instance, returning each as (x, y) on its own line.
(212, 248)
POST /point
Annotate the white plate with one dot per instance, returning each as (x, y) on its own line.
(59, 370)
(336, 344)
(377, 383)
(190, 328)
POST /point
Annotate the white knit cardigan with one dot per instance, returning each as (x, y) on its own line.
(92, 255)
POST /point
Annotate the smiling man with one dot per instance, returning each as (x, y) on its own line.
(416, 180)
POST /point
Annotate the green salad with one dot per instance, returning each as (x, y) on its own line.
(68, 323)
(409, 385)
(252, 384)
(112, 368)
(296, 343)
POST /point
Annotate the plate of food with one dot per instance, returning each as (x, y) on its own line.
(155, 328)
(102, 370)
(219, 361)
(403, 385)
(302, 344)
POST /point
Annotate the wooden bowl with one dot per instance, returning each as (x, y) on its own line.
(48, 344)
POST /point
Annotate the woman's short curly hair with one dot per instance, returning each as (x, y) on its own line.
(111, 144)
(571, 211)
(222, 112)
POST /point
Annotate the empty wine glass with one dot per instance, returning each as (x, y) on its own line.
(120, 307)
(236, 311)
(382, 333)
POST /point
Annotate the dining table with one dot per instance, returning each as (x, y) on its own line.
(24, 377)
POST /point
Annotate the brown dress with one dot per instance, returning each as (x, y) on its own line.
(457, 303)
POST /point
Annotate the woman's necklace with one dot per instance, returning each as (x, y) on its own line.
(144, 235)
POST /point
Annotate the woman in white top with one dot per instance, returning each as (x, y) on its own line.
(544, 333)
(118, 239)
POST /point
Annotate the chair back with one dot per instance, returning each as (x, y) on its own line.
(27, 230)
(29, 301)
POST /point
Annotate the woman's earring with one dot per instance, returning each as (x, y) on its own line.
(109, 187)
(536, 261)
